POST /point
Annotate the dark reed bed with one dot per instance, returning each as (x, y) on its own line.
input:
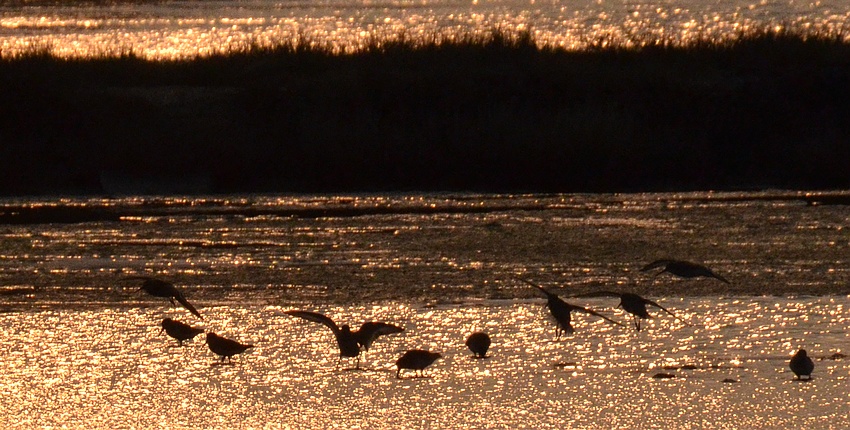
(768, 109)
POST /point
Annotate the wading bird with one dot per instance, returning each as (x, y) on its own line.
(633, 304)
(224, 347)
(478, 343)
(416, 359)
(802, 365)
(685, 269)
(160, 288)
(350, 342)
(179, 330)
(560, 311)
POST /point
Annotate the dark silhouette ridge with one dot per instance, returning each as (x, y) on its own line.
(29, 214)
(561, 310)
(350, 342)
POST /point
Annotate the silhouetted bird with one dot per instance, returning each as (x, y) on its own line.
(802, 365)
(560, 311)
(350, 342)
(685, 269)
(478, 343)
(416, 359)
(633, 304)
(179, 330)
(224, 347)
(160, 288)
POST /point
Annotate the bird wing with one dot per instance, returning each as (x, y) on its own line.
(187, 305)
(585, 310)
(656, 264)
(548, 294)
(316, 317)
(650, 302)
(372, 330)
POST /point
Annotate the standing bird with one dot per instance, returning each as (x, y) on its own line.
(478, 343)
(160, 288)
(224, 347)
(179, 330)
(685, 269)
(802, 365)
(416, 359)
(350, 342)
(633, 304)
(560, 311)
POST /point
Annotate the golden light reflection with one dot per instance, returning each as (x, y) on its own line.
(168, 32)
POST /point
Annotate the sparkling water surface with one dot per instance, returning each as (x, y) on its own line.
(186, 28)
(82, 346)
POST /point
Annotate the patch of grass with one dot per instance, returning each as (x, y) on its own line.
(485, 112)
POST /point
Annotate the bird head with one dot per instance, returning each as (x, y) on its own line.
(165, 322)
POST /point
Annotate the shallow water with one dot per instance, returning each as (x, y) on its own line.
(173, 29)
(429, 248)
(82, 347)
(97, 367)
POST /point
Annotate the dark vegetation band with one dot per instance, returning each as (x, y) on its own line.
(495, 112)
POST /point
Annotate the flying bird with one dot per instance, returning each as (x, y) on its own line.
(179, 330)
(802, 365)
(685, 269)
(350, 342)
(160, 288)
(561, 310)
(478, 343)
(224, 347)
(633, 304)
(417, 360)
